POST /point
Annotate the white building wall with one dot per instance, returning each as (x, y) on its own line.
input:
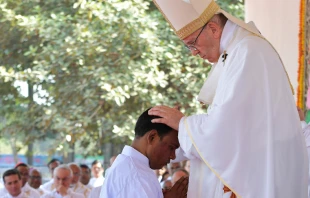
(278, 21)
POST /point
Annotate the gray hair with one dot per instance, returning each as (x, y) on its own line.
(219, 19)
(64, 167)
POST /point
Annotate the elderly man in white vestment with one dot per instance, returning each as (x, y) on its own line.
(249, 143)
(62, 180)
(131, 174)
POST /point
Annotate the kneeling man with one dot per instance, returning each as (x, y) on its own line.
(132, 175)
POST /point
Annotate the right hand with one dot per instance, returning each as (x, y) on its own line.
(62, 190)
(178, 190)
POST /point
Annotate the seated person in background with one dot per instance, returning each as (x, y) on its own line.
(13, 185)
(62, 180)
(187, 165)
(166, 176)
(132, 175)
(179, 173)
(85, 175)
(49, 186)
(35, 180)
(97, 172)
(112, 159)
(76, 185)
(173, 166)
(160, 172)
(23, 170)
(167, 185)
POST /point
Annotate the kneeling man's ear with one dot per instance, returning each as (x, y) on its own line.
(151, 136)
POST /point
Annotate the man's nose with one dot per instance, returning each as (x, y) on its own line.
(194, 52)
(172, 156)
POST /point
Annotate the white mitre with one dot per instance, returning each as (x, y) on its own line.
(187, 16)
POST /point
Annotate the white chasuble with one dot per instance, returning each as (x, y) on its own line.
(250, 140)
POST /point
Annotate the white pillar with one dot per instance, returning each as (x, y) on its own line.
(278, 21)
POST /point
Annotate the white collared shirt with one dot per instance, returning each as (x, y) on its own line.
(131, 176)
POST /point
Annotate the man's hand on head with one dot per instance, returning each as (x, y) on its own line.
(179, 189)
(169, 116)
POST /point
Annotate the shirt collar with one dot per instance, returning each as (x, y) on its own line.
(227, 35)
(130, 151)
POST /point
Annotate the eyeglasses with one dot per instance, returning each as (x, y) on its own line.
(36, 177)
(192, 47)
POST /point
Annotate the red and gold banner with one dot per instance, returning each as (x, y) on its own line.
(302, 66)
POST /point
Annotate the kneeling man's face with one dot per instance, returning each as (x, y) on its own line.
(162, 150)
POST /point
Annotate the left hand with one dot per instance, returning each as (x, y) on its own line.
(169, 116)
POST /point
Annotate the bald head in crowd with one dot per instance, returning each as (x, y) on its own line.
(35, 178)
(178, 174)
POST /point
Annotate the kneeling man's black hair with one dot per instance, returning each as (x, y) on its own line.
(144, 125)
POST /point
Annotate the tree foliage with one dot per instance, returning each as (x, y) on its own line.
(94, 67)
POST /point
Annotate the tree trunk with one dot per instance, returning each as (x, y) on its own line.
(14, 149)
(29, 152)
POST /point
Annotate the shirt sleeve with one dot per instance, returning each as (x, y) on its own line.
(187, 149)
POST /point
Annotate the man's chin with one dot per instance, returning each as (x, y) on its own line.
(208, 59)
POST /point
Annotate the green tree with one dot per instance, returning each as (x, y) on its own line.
(101, 63)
